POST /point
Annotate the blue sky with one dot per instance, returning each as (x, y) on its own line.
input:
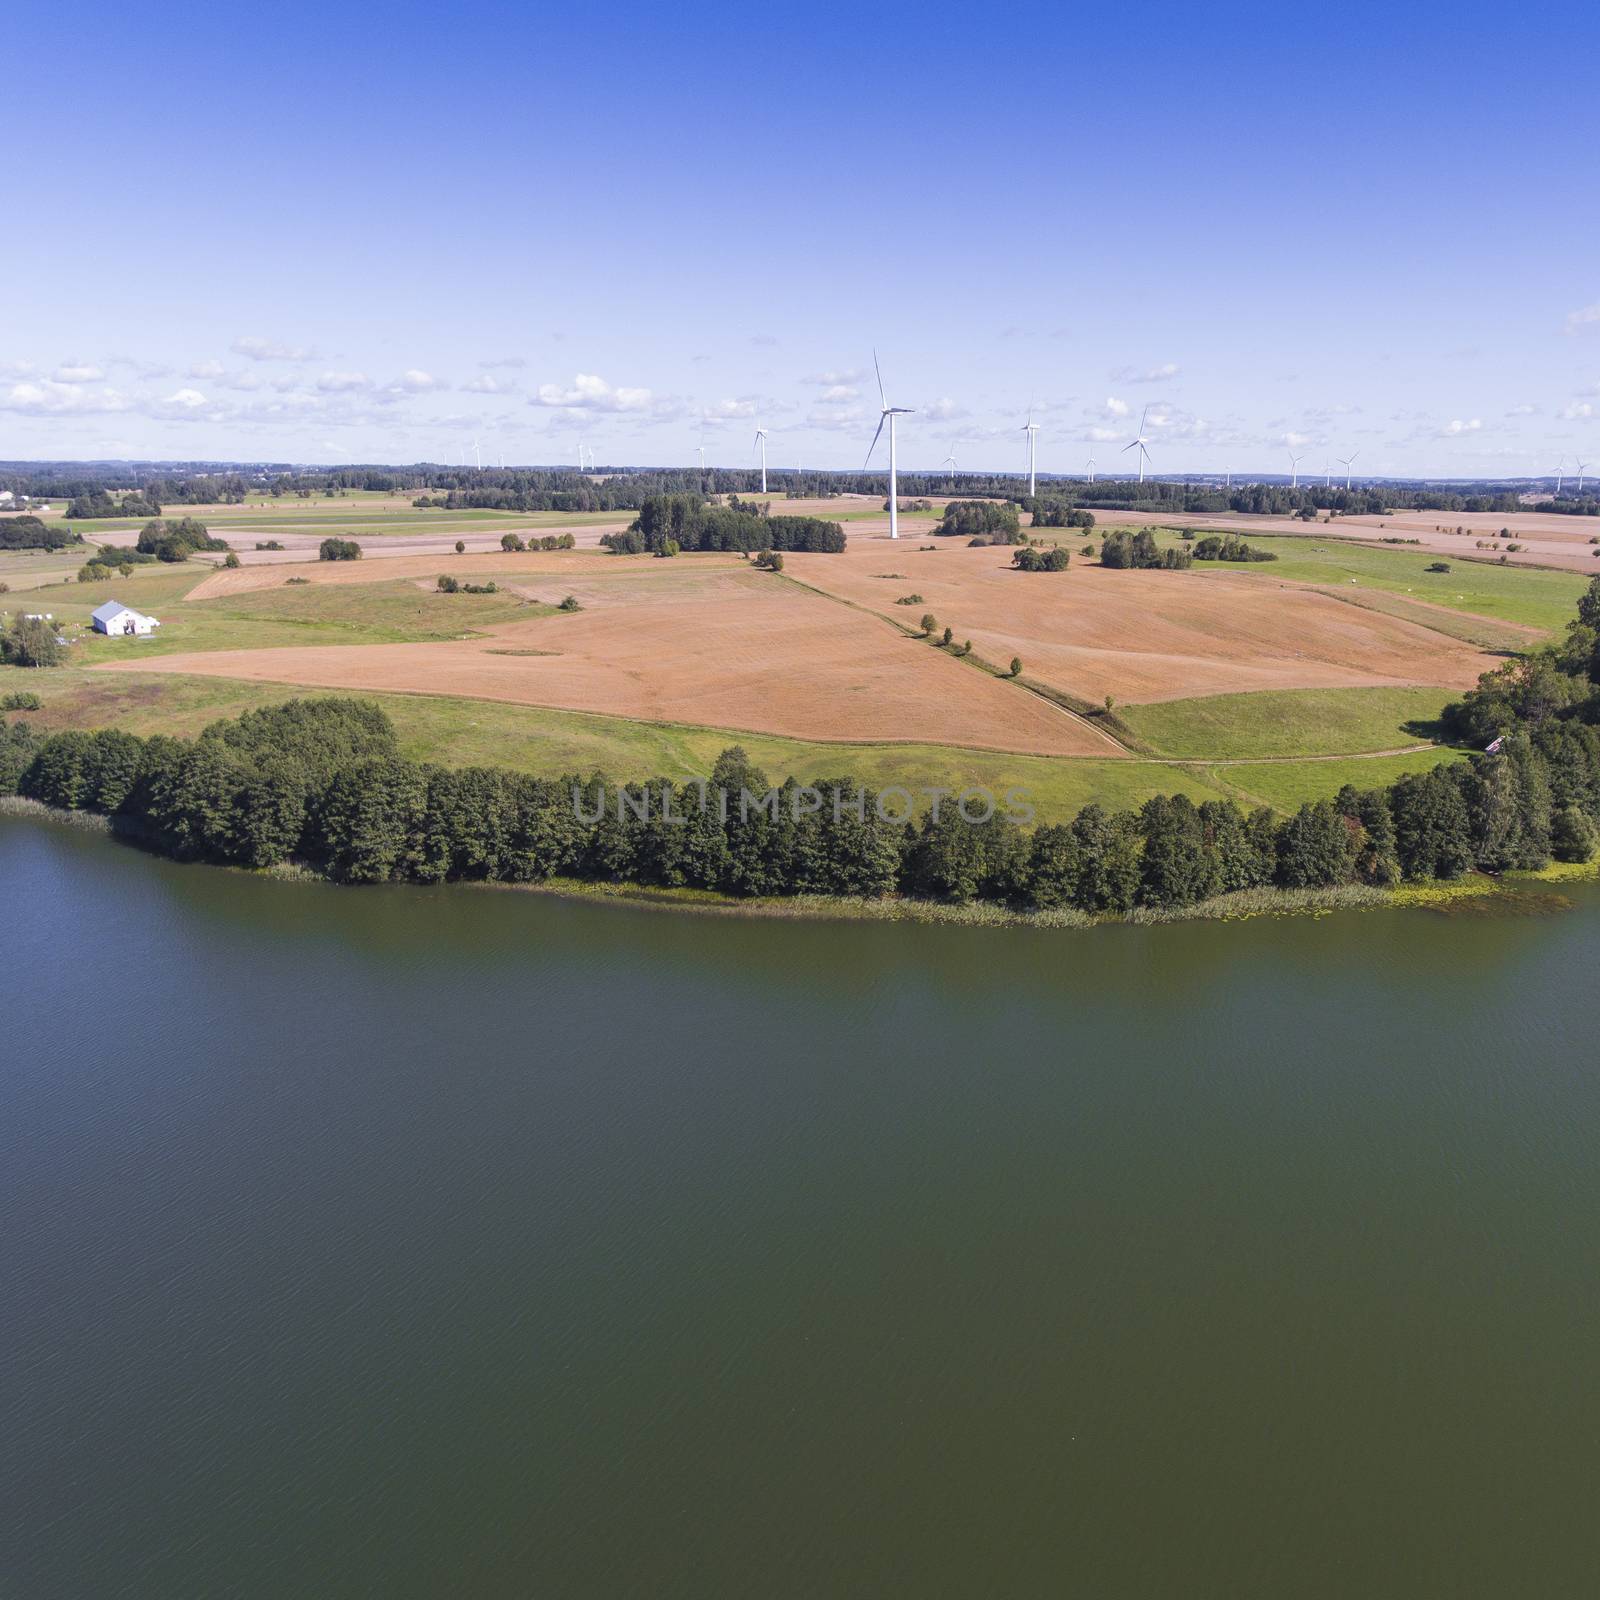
(333, 233)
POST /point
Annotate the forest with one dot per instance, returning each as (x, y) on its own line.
(671, 522)
(322, 782)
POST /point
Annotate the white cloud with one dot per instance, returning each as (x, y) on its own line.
(731, 410)
(415, 381)
(1115, 407)
(1159, 374)
(944, 409)
(343, 382)
(1456, 426)
(1584, 317)
(1524, 410)
(591, 393)
(828, 380)
(78, 372)
(53, 399)
(840, 394)
(484, 384)
(259, 349)
(838, 419)
(1578, 411)
(206, 369)
(1295, 440)
(1104, 435)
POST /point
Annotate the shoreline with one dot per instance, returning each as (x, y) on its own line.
(1513, 893)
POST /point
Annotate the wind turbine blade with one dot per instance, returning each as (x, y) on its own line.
(883, 399)
(1127, 447)
(874, 445)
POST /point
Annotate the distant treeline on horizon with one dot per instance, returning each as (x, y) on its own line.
(88, 488)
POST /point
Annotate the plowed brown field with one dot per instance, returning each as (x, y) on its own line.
(699, 640)
(1143, 636)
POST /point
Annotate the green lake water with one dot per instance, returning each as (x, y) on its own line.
(414, 1243)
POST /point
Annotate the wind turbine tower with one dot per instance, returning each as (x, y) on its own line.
(887, 413)
(1089, 466)
(1294, 469)
(1583, 467)
(1344, 461)
(1031, 428)
(1139, 444)
(1561, 467)
(761, 441)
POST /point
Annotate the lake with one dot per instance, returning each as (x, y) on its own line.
(415, 1242)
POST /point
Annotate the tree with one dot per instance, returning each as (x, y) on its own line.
(948, 637)
(461, 547)
(339, 550)
(1016, 666)
(929, 623)
(510, 542)
(1589, 606)
(230, 560)
(32, 642)
(1573, 836)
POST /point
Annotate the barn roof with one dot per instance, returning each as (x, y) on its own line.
(112, 608)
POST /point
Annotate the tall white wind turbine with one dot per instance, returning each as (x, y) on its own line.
(1294, 469)
(1344, 461)
(1327, 473)
(477, 454)
(1561, 468)
(887, 413)
(1089, 466)
(1139, 444)
(1583, 467)
(700, 450)
(950, 460)
(761, 444)
(1031, 428)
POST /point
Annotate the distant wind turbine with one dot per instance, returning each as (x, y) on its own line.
(887, 413)
(1139, 444)
(1561, 467)
(1344, 461)
(761, 442)
(1031, 428)
(1089, 466)
(702, 452)
(477, 454)
(1294, 468)
(1327, 473)
(950, 460)
(1583, 467)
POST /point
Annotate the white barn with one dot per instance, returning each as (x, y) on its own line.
(119, 620)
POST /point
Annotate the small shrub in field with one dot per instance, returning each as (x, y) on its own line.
(965, 648)
(510, 542)
(909, 600)
(770, 560)
(461, 547)
(22, 700)
(230, 560)
(1437, 566)
(288, 581)
(948, 638)
(929, 622)
(570, 604)
(1016, 666)
(448, 585)
(338, 550)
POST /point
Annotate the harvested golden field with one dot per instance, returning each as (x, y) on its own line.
(703, 640)
(1143, 636)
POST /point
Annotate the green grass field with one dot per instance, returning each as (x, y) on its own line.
(1286, 785)
(1533, 596)
(1286, 722)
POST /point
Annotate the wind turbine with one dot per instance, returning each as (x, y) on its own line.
(761, 440)
(1090, 466)
(1139, 444)
(1344, 461)
(1031, 428)
(702, 452)
(1294, 465)
(477, 454)
(950, 460)
(1583, 467)
(1327, 473)
(887, 413)
(1561, 467)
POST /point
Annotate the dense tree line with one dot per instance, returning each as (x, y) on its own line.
(1041, 558)
(323, 782)
(34, 533)
(689, 523)
(169, 540)
(1140, 550)
(100, 503)
(1060, 514)
(993, 521)
(1228, 547)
